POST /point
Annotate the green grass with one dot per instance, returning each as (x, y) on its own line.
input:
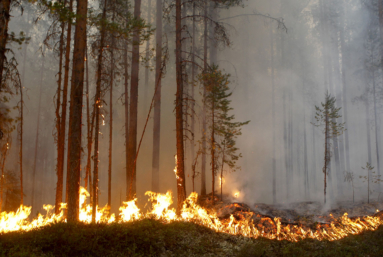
(153, 238)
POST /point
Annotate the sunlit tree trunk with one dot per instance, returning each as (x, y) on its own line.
(181, 191)
(58, 116)
(97, 113)
(147, 56)
(132, 146)
(157, 102)
(192, 127)
(5, 6)
(37, 135)
(77, 85)
(61, 157)
(111, 116)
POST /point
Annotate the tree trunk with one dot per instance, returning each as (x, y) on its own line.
(2, 175)
(305, 161)
(58, 116)
(77, 85)
(204, 125)
(192, 128)
(212, 150)
(111, 116)
(376, 122)
(126, 100)
(181, 191)
(98, 104)
(274, 168)
(5, 6)
(223, 162)
(132, 146)
(88, 128)
(157, 102)
(61, 157)
(147, 56)
(37, 134)
(326, 154)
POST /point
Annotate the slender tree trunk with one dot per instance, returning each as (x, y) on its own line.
(97, 113)
(222, 164)
(111, 117)
(88, 128)
(192, 128)
(326, 154)
(147, 56)
(305, 161)
(204, 125)
(126, 100)
(368, 130)
(213, 150)
(77, 86)
(58, 116)
(37, 134)
(274, 185)
(132, 146)
(5, 6)
(61, 157)
(181, 190)
(314, 155)
(2, 175)
(376, 122)
(157, 103)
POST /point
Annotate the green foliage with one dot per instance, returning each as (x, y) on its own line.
(226, 130)
(329, 113)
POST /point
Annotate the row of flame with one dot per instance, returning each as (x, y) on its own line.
(191, 212)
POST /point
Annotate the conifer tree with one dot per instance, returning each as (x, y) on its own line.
(326, 117)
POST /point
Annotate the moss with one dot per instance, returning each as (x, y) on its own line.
(153, 238)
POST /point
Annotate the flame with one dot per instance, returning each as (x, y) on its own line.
(192, 212)
(236, 194)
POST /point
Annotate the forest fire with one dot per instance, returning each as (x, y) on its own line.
(242, 223)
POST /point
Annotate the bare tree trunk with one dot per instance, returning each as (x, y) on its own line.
(192, 128)
(273, 117)
(181, 190)
(58, 116)
(368, 130)
(132, 146)
(204, 126)
(98, 104)
(37, 134)
(126, 95)
(77, 86)
(2, 175)
(157, 102)
(5, 6)
(223, 162)
(212, 150)
(376, 122)
(61, 157)
(149, 20)
(88, 124)
(305, 161)
(111, 117)
(326, 154)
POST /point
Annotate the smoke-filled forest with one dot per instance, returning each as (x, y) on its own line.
(268, 102)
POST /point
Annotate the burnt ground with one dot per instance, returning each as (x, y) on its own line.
(308, 214)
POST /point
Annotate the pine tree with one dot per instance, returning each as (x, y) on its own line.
(326, 117)
(223, 130)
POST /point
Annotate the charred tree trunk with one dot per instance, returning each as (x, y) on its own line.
(5, 6)
(2, 174)
(126, 100)
(111, 117)
(132, 146)
(61, 157)
(213, 150)
(58, 116)
(181, 191)
(77, 86)
(204, 125)
(149, 20)
(157, 102)
(97, 113)
(88, 128)
(192, 127)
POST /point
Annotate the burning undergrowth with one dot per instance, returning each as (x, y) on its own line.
(261, 220)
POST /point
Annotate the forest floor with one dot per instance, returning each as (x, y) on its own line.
(151, 237)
